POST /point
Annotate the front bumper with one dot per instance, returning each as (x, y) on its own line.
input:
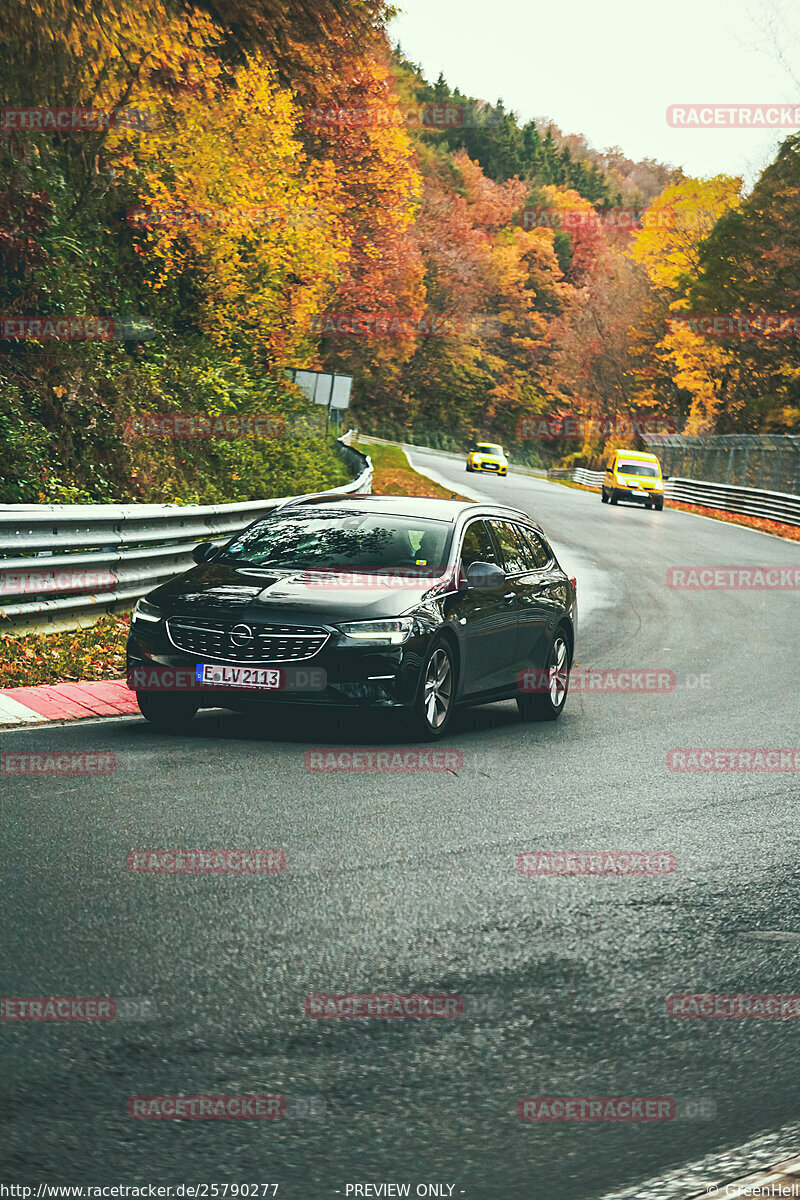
(624, 493)
(382, 676)
(492, 468)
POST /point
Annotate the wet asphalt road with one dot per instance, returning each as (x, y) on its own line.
(407, 883)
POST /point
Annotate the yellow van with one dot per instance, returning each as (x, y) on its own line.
(634, 476)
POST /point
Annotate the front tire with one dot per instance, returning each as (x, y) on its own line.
(604, 495)
(433, 706)
(659, 505)
(167, 712)
(549, 704)
(614, 498)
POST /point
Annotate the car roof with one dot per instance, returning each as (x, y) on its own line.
(413, 506)
(637, 454)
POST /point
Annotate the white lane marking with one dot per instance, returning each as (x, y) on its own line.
(14, 713)
(445, 482)
(719, 1169)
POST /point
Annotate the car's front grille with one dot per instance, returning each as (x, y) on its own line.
(226, 641)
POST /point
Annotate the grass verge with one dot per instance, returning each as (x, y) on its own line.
(394, 475)
(96, 652)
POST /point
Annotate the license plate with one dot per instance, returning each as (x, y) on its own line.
(239, 677)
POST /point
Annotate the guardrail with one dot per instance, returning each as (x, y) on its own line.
(63, 564)
(587, 478)
(752, 502)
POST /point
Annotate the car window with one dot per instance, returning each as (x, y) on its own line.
(301, 539)
(638, 468)
(489, 448)
(537, 551)
(477, 546)
(514, 550)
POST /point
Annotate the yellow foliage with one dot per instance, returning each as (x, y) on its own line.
(679, 219)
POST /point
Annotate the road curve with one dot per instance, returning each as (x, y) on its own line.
(407, 883)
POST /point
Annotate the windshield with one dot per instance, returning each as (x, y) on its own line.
(488, 448)
(354, 540)
(637, 468)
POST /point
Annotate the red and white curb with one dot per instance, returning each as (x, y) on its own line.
(66, 702)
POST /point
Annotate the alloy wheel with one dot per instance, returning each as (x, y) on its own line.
(438, 688)
(558, 672)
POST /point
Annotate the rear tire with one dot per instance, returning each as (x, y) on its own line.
(434, 704)
(167, 712)
(549, 705)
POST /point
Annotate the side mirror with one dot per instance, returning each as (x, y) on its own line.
(204, 551)
(485, 575)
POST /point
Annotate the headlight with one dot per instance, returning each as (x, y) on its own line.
(657, 485)
(378, 633)
(144, 611)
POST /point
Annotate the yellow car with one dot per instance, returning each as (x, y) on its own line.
(634, 476)
(488, 457)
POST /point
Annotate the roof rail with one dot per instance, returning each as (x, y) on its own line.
(311, 496)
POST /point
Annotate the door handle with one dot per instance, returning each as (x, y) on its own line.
(509, 596)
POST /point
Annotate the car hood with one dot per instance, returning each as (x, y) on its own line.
(220, 591)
